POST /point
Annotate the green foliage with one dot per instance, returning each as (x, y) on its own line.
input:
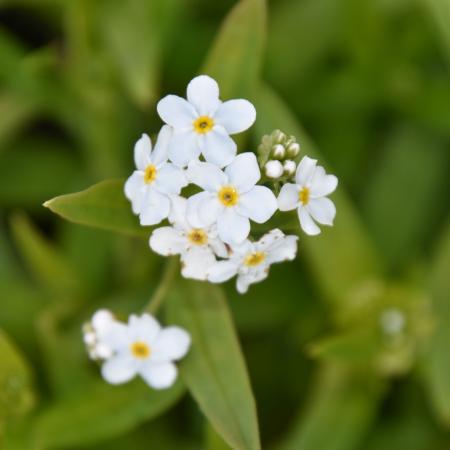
(214, 371)
(363, 86)
(102, 206)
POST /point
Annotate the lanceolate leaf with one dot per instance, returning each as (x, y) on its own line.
(235, 58)
(437, 361)
(214, 370)
(100, 206)
(102, 412)
(342, 256)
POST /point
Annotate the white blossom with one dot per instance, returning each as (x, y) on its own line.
(203, 124)
(230, 198)
(142, 347)
(154, 179)
(196, 245)
(251, 261)
(308, 196)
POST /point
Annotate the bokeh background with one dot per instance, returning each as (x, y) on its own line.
(347, 347)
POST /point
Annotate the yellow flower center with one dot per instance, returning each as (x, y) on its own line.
(303, 196)
(197, 236)
(140, 350)
(228, 196)
(254, 259)
(150, 174)
(203, 124)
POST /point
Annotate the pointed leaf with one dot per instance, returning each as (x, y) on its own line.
(214, 370)
(101, 206)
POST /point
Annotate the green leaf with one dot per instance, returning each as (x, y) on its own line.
(393, 185)
(134, 34)
(436, 365)
(214, 370)
(213, 440)
(236, 55)
(101, 206)
(342, 256)
(16, 395)
(102, 412)
(340, 412)
(45, 262)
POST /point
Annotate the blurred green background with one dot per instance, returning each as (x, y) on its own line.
(347, 347)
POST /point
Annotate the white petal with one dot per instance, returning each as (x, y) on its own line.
(236, 115)
(119, 369)
(203, 209)
(203, 93)
(208, 176)
(161, 151)
(322, 184)
(288, 198)
(219, 248)
(232, 227)
(269, 239)
(115, 336)
(143, 328)
(155, 208)
(142, 151)
(170, 179)
(135, 190)
(284, 249)
(322, 210)
(243, 172)
(244, 280)
(171, 344)
(259, 204)
(196, 261)
(176, 111)
(183, 147)
(159, 376)
(167, 241)
(306, 222)
(177, 214)
(305, 171)
(218, 148)
(222, 271)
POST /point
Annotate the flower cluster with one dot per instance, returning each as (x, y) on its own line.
(140, 347)
(210, 228)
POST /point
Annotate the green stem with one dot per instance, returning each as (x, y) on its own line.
(163, 288)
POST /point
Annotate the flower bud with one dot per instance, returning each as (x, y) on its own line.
(273, 169)
(293, 149)
(289, 167)
(278, 151)
(278, 136)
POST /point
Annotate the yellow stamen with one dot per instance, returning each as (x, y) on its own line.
(150, 174)
(303, 196)
(140, 350)
(228, 196)
(254, 259)
(203, 124)
(197, 236)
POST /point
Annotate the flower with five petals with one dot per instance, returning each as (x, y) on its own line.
(230, 197)
(154, 179)
(308, 196)
(202, 124)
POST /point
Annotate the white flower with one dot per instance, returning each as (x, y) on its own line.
(149, 187)
(202, 123)
(142, 347)
(196, 245)
(308, 195)
(230, 198)
(94, 332)
(251, 260)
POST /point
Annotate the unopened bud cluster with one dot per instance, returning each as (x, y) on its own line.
(277, 153)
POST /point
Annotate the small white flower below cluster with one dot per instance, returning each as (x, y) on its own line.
(140, 347)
